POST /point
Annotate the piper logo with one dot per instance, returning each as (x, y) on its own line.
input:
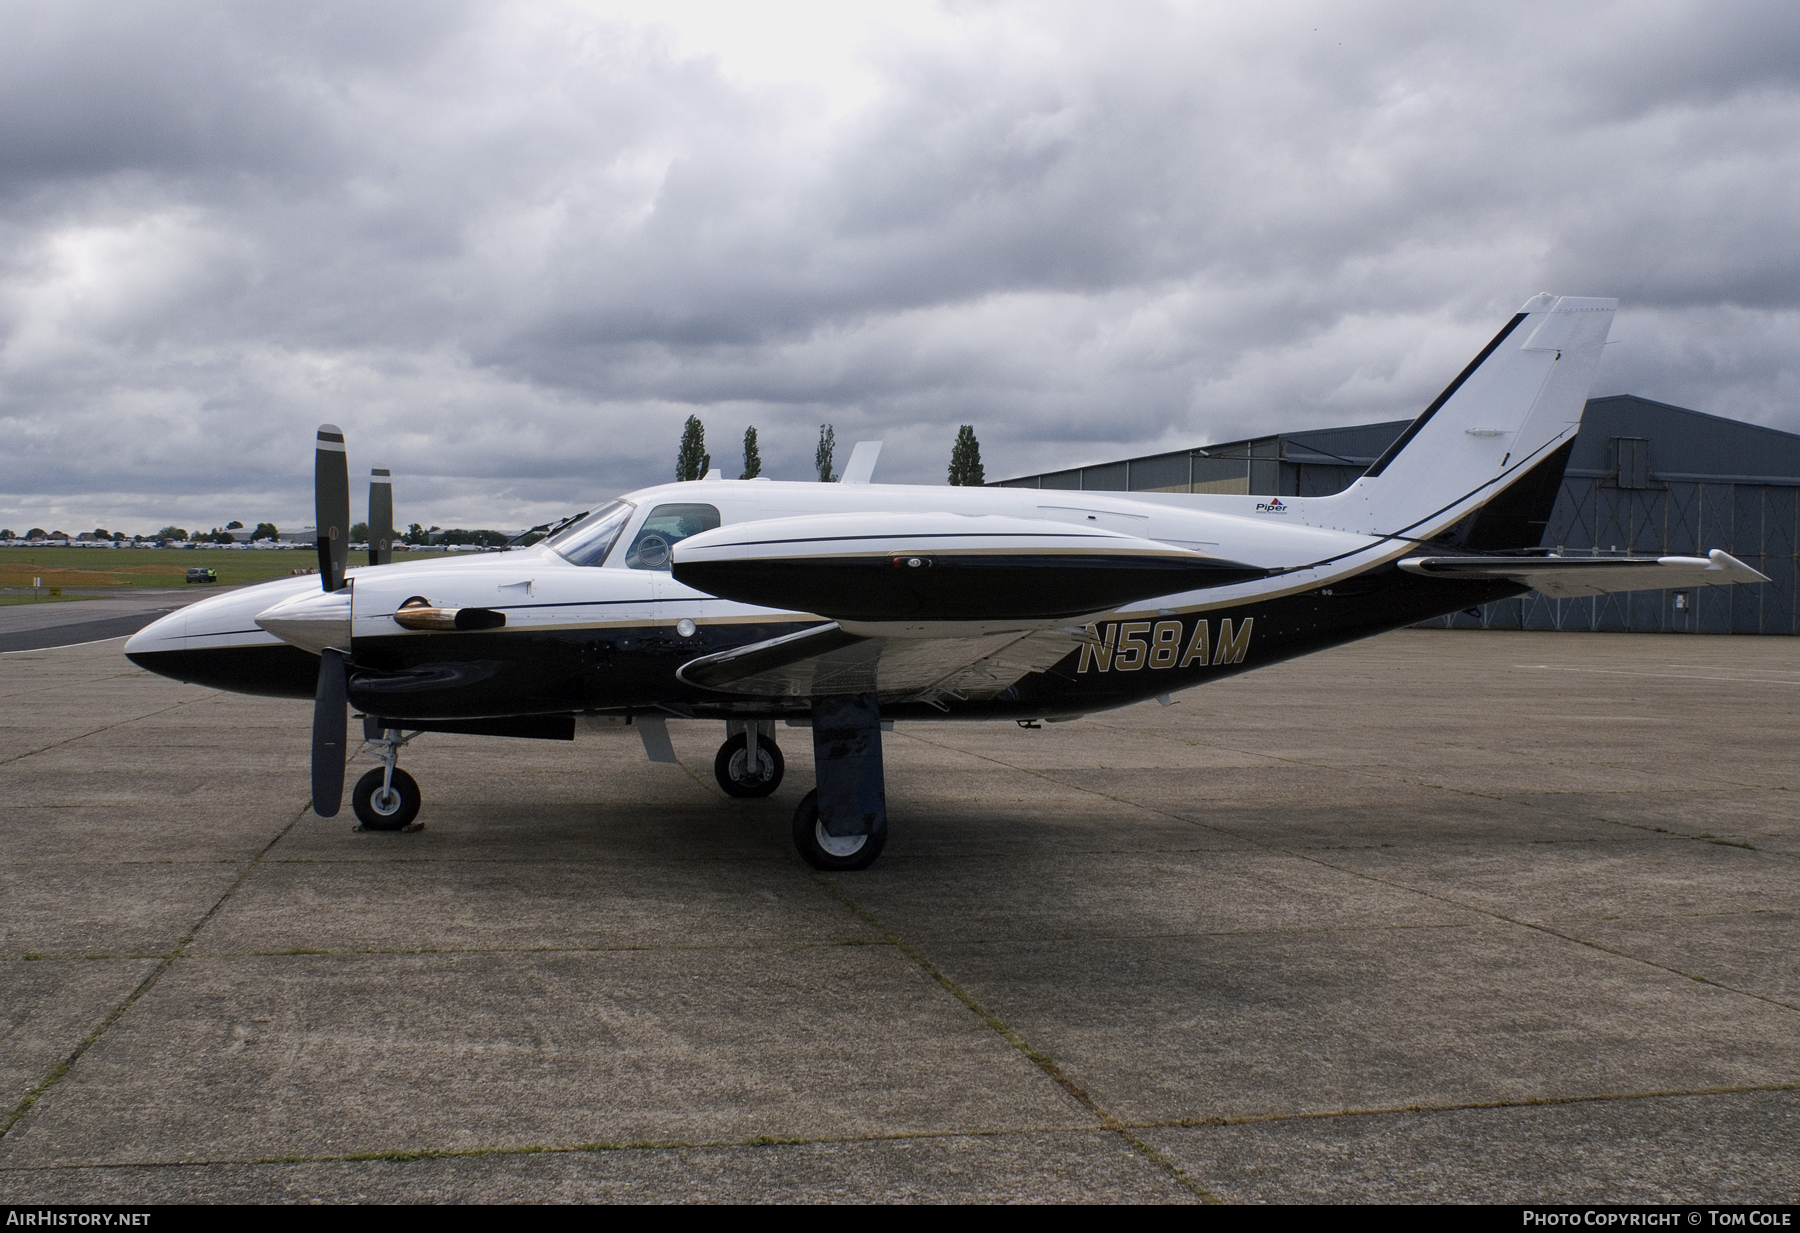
(1272, 506)
(1123, 647)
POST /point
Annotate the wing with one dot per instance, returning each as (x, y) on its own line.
(1568, 577)
(830, 660)
(924, 606)
(931, 568)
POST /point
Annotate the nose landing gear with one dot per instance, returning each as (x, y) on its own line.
(749, 763)
(384, 801)
(387, 798)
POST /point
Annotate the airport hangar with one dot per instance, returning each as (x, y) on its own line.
(1644, 477)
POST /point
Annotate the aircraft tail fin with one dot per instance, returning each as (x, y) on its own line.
(1520, 515)
(1510, 410)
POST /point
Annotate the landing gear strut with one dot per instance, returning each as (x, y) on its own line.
(841, 825)
(387, 798)
(749, 763)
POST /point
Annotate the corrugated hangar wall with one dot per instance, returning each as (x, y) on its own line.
(1649, 478)
(1644, 477)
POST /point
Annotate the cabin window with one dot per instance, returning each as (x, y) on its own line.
(667, 526)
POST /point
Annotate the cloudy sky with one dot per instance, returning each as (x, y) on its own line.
(511, 247)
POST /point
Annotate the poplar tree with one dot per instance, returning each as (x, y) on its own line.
(692, 461)
(822, 458)
(752, 456)
(965, 459)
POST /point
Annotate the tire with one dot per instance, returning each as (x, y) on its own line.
(731, 758)
(811, 841)
(379, 815)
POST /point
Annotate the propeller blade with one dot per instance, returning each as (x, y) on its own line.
(381, 517)
(330, 727)
(331, 505)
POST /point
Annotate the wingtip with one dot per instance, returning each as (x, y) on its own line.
(1725, 561)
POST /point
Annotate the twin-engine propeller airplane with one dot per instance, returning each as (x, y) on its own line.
(846, 606)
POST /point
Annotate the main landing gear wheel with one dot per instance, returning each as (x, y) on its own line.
(833, 853)
(390, 810)
(732, 767)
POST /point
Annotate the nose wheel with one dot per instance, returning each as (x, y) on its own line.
(386, 806)
(387, 798)
(745, 771)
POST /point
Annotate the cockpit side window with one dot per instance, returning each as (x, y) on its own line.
(588, 541)
(667, 526)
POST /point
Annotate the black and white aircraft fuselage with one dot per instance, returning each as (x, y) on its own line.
(847, 605)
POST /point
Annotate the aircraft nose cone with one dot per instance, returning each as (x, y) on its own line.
(311, 622)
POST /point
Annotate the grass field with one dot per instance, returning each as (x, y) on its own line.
(153, 567)
(8, 601)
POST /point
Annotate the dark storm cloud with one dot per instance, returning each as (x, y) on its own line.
(511, 248)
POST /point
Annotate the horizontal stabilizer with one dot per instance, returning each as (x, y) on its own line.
(872, 567)
(1569, 577)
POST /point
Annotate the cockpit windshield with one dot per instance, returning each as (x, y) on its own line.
(588, 541)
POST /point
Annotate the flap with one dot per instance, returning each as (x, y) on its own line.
(941, 567)
(828, 660)
(1569, 577)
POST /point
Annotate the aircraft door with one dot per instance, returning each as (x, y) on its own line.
(642, 661)
(652, 549)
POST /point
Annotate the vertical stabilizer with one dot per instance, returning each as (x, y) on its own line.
(1515, 404)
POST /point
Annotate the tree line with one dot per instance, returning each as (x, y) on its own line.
(415, 535)
(218, 535)
(692, 462)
